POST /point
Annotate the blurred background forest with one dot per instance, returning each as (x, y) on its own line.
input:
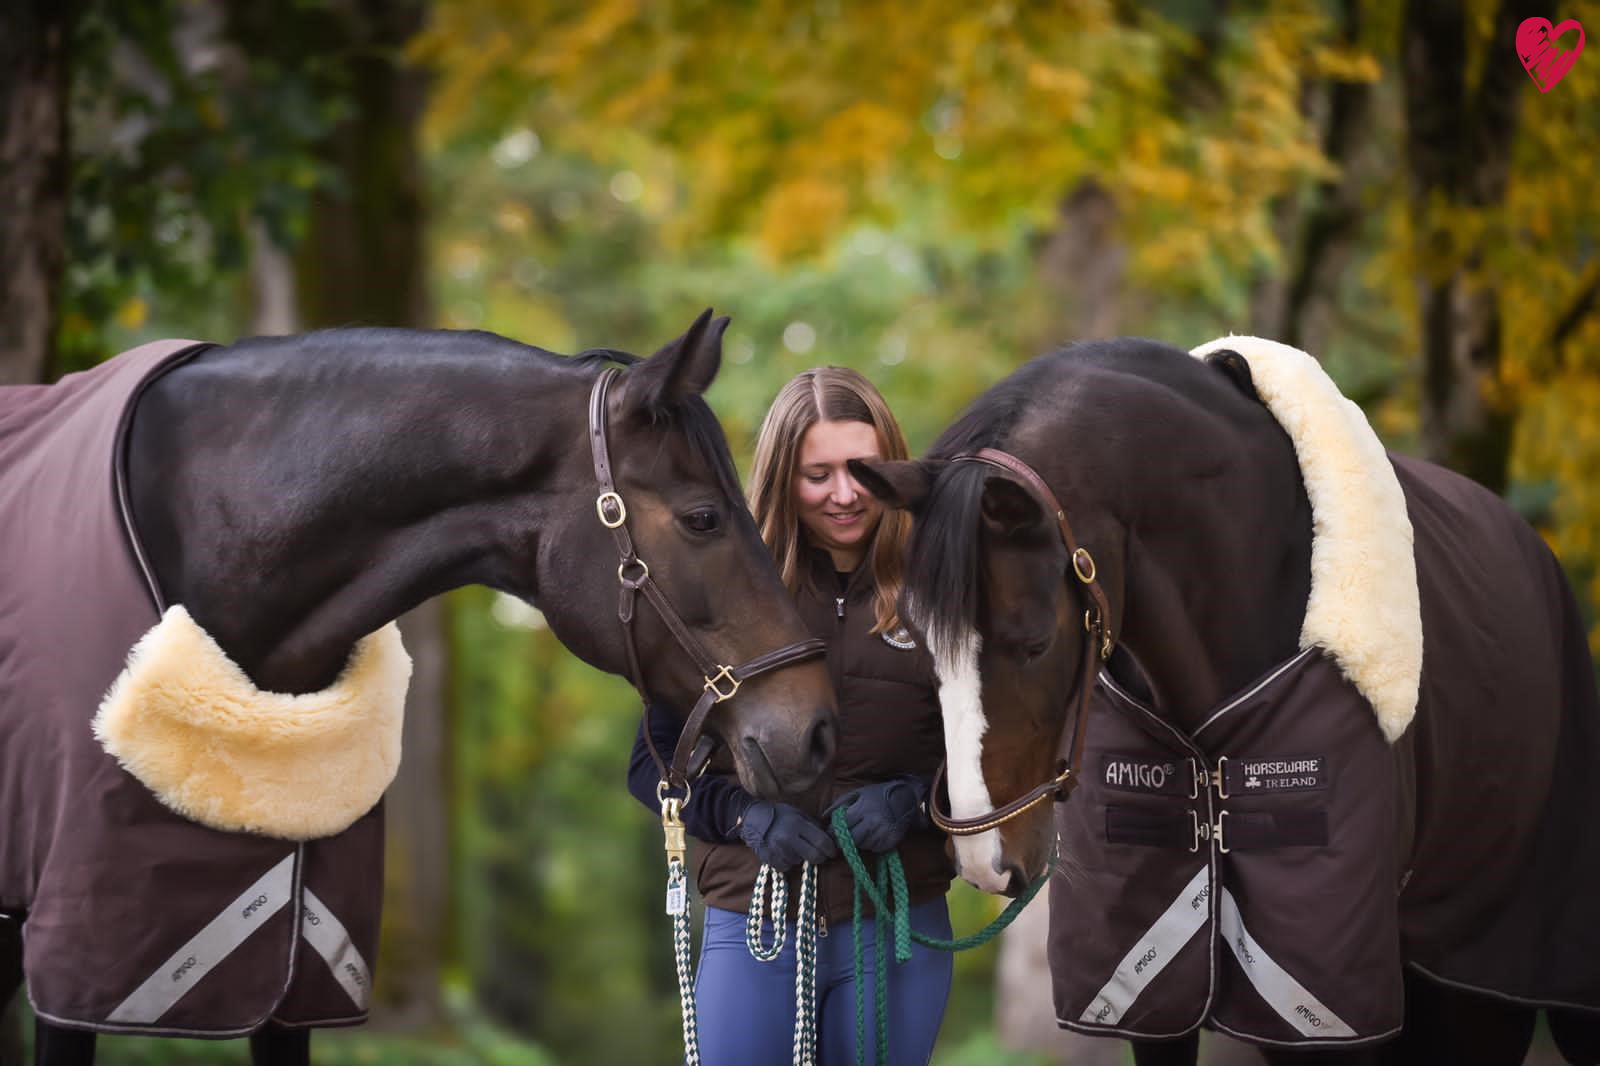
(932, 193)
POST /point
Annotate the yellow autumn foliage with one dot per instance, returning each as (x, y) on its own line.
(788, 124)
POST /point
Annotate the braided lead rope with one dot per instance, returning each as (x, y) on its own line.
(677, 906)
(777, 911)
(805, 972)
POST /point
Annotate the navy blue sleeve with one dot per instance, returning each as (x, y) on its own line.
(716, 802)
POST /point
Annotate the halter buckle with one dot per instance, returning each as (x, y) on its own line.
(724, 673)
(1082, 560)
(618, 509)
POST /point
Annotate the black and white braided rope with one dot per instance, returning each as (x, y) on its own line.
(776, 910)
(770, 901)
(805, 971)
(677, 883)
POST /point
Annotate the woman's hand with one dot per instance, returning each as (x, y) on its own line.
(880, 816)
(783, 836)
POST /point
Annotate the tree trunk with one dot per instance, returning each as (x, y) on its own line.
(1319, 235)
(362, 262)
(1084, 264)
(33, 214)
(33, 182)
(1458, 152)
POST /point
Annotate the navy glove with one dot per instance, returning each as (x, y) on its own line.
(880, 816)
(783, 836)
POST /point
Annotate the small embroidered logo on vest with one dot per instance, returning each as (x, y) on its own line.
(1309, 1015)
(900, 638)
(1198, 900)
(255, 905)
(1144, 960)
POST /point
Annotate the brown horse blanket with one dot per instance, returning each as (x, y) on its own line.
(1364, 806)
(136, 918)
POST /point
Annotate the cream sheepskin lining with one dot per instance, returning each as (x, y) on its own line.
(1363, 609)
(188, 723)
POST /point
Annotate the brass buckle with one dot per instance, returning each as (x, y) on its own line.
(1079, 559)
(613, 500)
(724, 673)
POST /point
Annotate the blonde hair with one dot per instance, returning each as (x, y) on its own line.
(826, 394)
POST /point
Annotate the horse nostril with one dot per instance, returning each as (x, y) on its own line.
(1016, 881)
(824, 742)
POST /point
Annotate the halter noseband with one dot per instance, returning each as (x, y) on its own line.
(721, 682)
(1096, 620)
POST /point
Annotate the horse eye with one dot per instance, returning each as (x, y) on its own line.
(701, 521)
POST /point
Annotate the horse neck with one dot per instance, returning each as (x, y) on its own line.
(1209, 542)
(338, 495)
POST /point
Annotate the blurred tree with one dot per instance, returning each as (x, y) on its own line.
(34, 63)
(1460, 131)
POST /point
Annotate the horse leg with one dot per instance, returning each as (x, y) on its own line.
(1577, 1036)
(1184, 1051)
(10, 982)
(56, 1045)
(1449, 1025)
(274, 1045)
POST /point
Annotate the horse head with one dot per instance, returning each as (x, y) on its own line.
(1130, 482)
(673, 517)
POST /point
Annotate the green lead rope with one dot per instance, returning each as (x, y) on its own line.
(891, 881)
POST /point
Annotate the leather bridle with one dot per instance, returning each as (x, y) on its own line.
(1096, 620)
(721, 682)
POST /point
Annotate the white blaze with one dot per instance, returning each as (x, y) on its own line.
(961, 700)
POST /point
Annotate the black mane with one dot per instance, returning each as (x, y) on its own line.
(942, 572)
(942, 575)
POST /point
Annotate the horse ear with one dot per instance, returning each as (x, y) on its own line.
(1236, 370)
(1008, 507)
(902, 484)
(683, 368)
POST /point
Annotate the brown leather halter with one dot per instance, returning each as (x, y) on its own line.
(721, 682)
(1096, 620)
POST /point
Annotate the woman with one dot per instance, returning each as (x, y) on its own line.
(840, 554)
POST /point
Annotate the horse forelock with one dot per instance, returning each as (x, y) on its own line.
(941, 577)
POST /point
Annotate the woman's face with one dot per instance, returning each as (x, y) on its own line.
(834, 510)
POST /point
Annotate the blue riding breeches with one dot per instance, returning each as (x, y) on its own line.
(746, 1007)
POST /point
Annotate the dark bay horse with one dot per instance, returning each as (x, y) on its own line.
(1330, 714)
(294, 495)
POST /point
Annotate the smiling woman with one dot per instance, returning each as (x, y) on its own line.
(840, 553)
